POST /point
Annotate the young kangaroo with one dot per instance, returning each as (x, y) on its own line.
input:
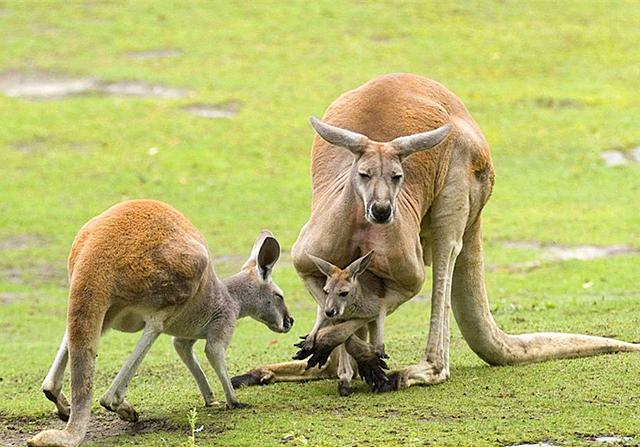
(141, 265)
(349, 294)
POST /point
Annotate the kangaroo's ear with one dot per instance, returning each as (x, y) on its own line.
(354, 141)
(357, 267)
(405, 146)
(324, 266)
(264, 254)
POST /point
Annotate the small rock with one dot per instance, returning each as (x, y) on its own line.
(635, 154)
(614, 158)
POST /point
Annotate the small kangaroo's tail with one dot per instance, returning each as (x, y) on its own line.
(87, 308)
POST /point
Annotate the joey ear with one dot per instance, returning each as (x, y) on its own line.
(264, 254)
(324, 266)
(357, 267)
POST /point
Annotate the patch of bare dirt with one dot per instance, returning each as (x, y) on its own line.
(22, 241)
(16, 431)
(40, 274)
(43, 85)
(141, 90)
(9, 297)
(223, 110)
(155, 54)
(550, 253)
(558, 103)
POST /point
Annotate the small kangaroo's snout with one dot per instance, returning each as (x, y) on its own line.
(330, 312)
(381, 212)
(287, 323)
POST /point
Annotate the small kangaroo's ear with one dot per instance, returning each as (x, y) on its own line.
(264, 254)
(357, 267)
(324, 266)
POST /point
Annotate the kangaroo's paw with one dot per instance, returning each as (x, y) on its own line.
(393, 384)
(305, 348)
(380, 352)
(252, 378)
(371, 369)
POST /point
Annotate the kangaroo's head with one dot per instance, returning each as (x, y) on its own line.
(260, 297)
(341, 287)
(377, 172)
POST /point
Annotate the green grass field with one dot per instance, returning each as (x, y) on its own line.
(552, 85)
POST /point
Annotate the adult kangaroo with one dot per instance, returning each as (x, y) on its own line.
(400, 167)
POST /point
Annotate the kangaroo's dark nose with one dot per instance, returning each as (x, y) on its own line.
(330, 313)
(381, 212)
(288, 323)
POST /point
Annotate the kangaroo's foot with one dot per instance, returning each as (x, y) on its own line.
(344, 388)
(237, 405)
(423, 373)
(54, 438)
(59, 399)
(252, 378)
(123, 409)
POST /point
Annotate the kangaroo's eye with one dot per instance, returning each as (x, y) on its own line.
(364, 175)
(278, 296)
(343, 294)
(396, 177)
(326, 292)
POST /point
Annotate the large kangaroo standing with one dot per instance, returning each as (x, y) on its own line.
(409, 180)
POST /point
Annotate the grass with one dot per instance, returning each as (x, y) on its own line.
(551, 85)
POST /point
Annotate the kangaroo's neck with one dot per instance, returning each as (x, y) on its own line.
(241, 292)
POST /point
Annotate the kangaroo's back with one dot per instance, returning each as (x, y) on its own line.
(140, 250)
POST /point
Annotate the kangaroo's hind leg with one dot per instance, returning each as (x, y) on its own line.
(52, 384)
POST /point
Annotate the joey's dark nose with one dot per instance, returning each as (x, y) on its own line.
(330, 313)
(381, 212)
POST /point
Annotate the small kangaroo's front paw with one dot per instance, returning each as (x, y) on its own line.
(237, 405)
(381, 353)
(393, 384)
(372, 371)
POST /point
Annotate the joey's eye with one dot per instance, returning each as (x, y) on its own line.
(343, 294)
(396, 177)
(364, 175)
(326, 292)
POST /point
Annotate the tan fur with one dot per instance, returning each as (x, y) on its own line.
(142, 265)
(437, 220)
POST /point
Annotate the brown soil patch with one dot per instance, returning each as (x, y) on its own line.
(40, 274)
(550, 253)
(16, 431)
